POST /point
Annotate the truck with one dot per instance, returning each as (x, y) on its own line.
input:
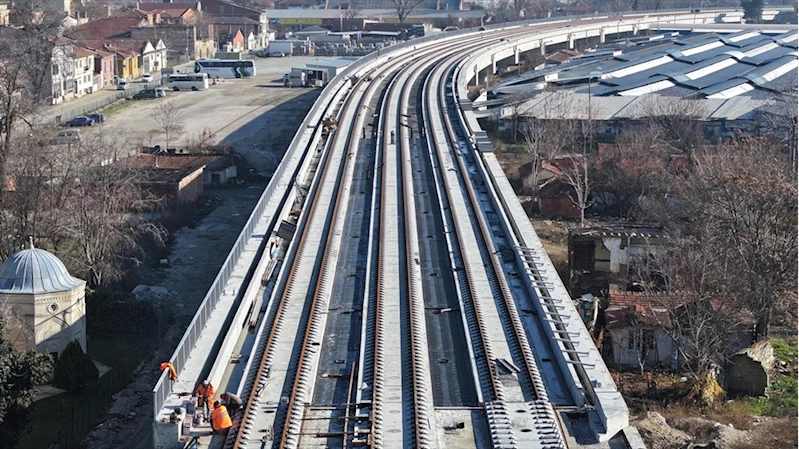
(281, 47)
(294, 79)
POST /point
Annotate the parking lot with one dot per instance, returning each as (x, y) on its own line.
(257, 116)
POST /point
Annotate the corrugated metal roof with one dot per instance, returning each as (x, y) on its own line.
(702, 62)
(737, 108)
(35, 271)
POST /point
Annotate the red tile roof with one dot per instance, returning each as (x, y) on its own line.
(111, 45)
(103, 53)
(82, 52)
(166, 168)
(145, 160)
(167, 9)
(106, 28)
(653, 309)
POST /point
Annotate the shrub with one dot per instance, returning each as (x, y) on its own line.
(74, 369)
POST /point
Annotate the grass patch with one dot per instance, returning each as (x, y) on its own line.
(785, 349)
(782, 400)
(114, 350)
(117, 106)
(67, 418)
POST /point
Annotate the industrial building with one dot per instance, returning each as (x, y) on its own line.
(736, 78)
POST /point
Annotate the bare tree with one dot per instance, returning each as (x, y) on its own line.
(678, 120)
(682, 279)
(548, 134)
(781, 118)
(168, 117)
(633, 171)
(106, 211)
(90, 214)
(202, 142)
(26, 58)
(352, 11)
(576, 173)
(404, 8)
(747, 192)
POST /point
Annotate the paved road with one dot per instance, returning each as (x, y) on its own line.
(256, 116)
(97, 99)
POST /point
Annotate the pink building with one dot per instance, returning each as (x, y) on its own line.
(103, 68)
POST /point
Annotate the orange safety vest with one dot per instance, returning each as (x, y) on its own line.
(173, 375)
(220, 419)
(207, 393)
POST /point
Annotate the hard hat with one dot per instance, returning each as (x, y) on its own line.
(205, 382)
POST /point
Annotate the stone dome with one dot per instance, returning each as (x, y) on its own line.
(35, 271)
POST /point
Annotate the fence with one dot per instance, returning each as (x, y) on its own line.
(163, 387)
(77, 111)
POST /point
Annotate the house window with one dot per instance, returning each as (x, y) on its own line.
(648, 337)
(641, 339)
(583, 255)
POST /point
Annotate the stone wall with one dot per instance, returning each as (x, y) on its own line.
(178, 38)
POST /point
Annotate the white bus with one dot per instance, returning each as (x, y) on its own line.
(224, 68)
(188, 81)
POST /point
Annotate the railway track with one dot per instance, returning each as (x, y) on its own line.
(393, 404)
(398, 305)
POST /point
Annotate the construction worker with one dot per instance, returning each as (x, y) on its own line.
(220, 419)
(205, 397)
(173, 375)
(231, 401)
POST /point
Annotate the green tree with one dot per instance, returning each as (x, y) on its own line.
(20, 374)
(74, 369)
(753, 10)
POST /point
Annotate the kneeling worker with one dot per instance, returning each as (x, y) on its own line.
(220, 419)
(231, 401)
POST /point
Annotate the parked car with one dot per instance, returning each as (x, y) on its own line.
(146, 78)
(66, 136)
(79, 121)
(123, 85)
(97, 117)
(277, 54)
(149, 94)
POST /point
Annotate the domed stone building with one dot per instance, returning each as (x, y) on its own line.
(45, 305)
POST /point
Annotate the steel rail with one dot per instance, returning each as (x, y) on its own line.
(495, 388)
(531, 370)
(262, 372)
(550, 431)
(420, 370)
(294, 411)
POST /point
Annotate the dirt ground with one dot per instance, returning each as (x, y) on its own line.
(195, 255)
